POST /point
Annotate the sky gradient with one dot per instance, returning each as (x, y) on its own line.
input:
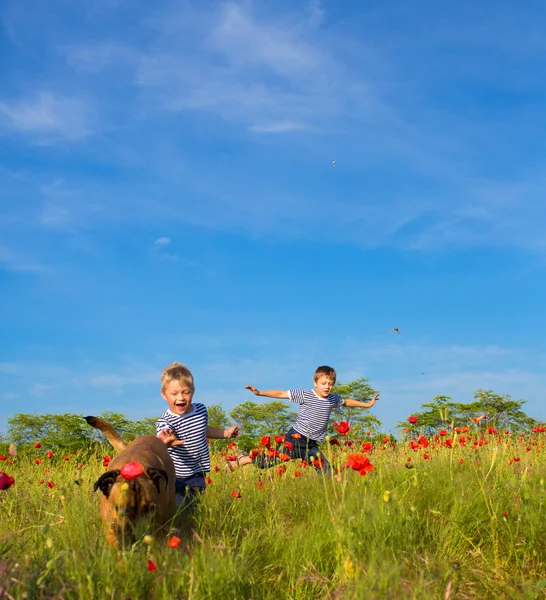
(168, 192)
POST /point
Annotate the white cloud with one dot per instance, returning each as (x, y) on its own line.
(163, 241)
(277, 127)
(11, 260)
(47, 116)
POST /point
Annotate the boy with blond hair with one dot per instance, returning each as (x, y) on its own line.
(309, 429)
(184, 429)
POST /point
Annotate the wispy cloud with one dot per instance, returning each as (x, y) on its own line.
(11, 260)
(46, 116)
(163, 241)
(278, 127)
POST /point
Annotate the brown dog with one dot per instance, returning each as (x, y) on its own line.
(139, 482)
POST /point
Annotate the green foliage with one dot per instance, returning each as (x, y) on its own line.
(360, 419)
(67, 431)
(268, 418)
(217, 416)
(502, 413)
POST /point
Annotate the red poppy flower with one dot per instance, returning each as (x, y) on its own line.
(260, 484)
(367, 447)
(174, 542)
(49, 454)
(151, 565)
(360, 463)
(505, 513)
(231, 458)
(106, 458)
(208, 480)
(217, 469)
(6, 481)
(442, 432)
(50, 485)
(131, 470)
(334, 442)
(266, 441)
(296, 436)
(413, 419)
(279, 439)
(236, 494)
(254, 453)
(232, 445)
(3, 457)
(41, 481)
(318, 462)
(284, 457)
(67, 458)
(297, 473)
(288, 446)
(38, 461)
(37, 445)
(280, 470)
(342, 428)
(386, 440)
(461, 461)
(427, 456)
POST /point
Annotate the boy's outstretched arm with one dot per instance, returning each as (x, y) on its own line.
(356, 403)
(268, 393)
(217, 433)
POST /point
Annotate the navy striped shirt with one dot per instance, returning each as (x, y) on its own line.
(314, 414)
(193, 456)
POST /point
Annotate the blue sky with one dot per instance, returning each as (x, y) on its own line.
(168, 193)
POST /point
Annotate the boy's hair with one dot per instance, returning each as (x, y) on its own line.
(326, 371)
(179, 372)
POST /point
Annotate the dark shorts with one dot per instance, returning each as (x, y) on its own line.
(303, 447)
(188, 489)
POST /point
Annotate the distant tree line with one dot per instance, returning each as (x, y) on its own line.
(501, 413)
(70, 431)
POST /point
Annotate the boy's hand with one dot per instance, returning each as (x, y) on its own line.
(252, 389)
(374, 399)
(168, 438)
(231, 432)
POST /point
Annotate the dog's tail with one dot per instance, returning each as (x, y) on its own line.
(110, 433)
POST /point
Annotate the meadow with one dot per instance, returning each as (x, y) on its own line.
(457, 515)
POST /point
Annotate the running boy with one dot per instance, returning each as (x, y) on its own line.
(184, 429)
(312, 420)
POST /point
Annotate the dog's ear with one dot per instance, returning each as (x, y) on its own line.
(156, 475)
(106, 481)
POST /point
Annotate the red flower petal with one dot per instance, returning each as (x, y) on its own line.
(131, 470)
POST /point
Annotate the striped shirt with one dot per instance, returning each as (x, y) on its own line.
(314, 414)
(193, 456)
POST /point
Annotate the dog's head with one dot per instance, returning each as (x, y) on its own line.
(132, 500)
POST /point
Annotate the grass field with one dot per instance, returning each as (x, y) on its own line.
(466, 521)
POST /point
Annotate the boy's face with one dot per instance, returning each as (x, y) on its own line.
(178, 396)
(324, 385)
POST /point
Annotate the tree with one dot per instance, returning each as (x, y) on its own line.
(217, 416)
(502, 413)
(268, 418)
(67, 431)
(359, 419)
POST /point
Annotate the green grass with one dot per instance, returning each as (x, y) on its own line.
(437, 530)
